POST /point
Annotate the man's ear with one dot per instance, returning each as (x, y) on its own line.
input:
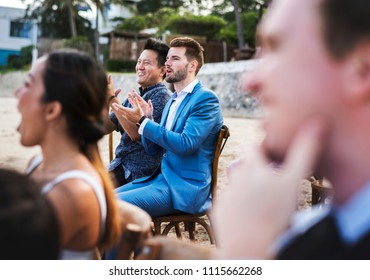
(53, 110)
(163, 71)
(193, 65)
(358, 79)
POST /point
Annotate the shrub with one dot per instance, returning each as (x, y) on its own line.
(20, 61)
(80, 43)
(207, 26)
(113, 65)
(249, 22)
(26, 55)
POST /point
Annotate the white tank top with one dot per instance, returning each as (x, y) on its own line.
(98, 189)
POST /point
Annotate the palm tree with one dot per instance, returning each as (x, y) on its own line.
(239, 26)
(71, 6)
(72, 21)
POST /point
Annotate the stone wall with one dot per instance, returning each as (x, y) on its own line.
(223, 78)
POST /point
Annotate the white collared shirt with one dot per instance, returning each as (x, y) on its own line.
(176, 102)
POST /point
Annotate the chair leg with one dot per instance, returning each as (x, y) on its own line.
(208, 228)
(157, 228)
(191, 229)
(188, 226)
(171, 225)
(178, 231)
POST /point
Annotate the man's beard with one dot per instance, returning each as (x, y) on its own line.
(177, 76)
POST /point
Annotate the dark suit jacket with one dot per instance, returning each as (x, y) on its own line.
(322, 242)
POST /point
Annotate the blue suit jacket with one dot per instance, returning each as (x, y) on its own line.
(188, 148)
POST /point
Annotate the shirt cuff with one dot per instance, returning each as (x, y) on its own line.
(141, 127)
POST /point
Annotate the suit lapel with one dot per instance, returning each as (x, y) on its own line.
(178, 112)
(183, 104)
(165, 112)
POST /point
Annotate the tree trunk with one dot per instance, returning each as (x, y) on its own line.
(239, 26)
(72, 22)
(96, 37)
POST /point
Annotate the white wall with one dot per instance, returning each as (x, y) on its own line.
(12, 45)
(6, 42)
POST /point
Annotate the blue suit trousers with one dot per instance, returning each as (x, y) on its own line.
(154, 198)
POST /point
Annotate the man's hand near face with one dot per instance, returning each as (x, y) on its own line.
(139, 109)
(264, 196)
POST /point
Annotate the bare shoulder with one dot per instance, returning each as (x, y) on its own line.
(78, 211)
(74, 193)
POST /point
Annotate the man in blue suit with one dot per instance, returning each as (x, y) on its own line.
(187, 136)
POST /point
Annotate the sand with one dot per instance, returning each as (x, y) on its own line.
(13, 155)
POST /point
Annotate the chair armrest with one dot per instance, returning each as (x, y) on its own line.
(131, 214)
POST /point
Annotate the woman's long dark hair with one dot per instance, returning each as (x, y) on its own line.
(79, 83)
(29, 227)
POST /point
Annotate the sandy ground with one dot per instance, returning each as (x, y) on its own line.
(14, 155)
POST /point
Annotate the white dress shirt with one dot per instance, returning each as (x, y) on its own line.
(176, 102)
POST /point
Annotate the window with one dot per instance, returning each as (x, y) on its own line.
(20, 29)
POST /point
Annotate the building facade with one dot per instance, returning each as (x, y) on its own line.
(15, 33)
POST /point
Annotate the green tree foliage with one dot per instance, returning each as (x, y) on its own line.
(199, 7)
(221, 23)
(135, 23)
(161, 17)
(26, 55)
(249, 23)
(225, 8)
(113, 65)
(56, 16)
(249, 12)
(207, 26)
(152, 6)
(79, 43)
(158, 19)
(20, 61)
(53, 16)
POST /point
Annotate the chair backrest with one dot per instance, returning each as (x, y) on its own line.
(223, 135)
(131, 239)
(110, 142)
(135, 229)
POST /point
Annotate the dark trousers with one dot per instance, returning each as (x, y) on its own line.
(118, 176)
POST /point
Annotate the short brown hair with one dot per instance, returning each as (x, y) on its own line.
(345, 24)
(193, 49)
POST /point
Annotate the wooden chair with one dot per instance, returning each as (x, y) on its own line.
(190, 220)
(110, 143)
(162, 248)
(130, 243)
(128, 246)
(136, 227)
